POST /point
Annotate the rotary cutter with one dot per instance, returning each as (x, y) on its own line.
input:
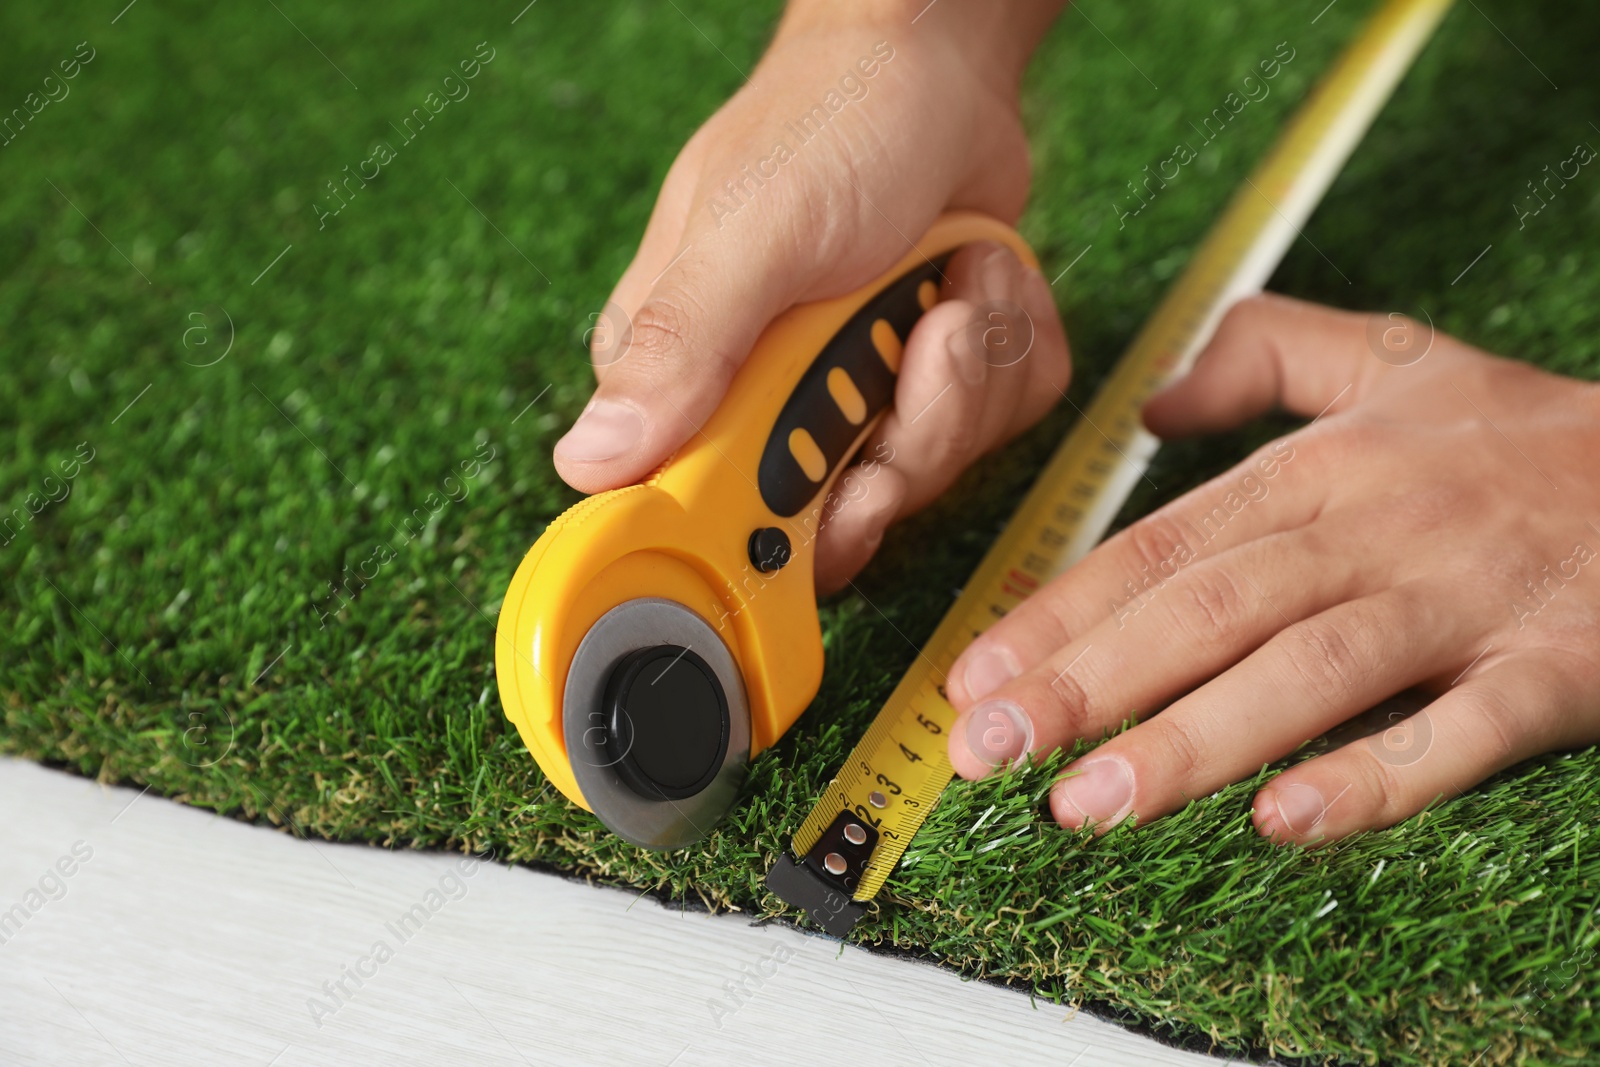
(657, 637)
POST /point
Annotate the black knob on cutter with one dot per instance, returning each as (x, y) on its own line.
(666, 722)
(769, 549)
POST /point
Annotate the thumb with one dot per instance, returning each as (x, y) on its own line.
(672, 358)
(1271, 352)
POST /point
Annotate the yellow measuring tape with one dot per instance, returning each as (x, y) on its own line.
(860, 828)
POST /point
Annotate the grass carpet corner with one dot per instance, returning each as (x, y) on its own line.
(253, 397)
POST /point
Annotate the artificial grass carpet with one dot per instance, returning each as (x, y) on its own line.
(173, 617)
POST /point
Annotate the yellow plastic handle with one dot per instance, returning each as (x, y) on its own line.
(814, 386)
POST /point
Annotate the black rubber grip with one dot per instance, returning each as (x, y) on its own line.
(785, 486)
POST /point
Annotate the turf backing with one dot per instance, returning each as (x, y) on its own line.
(171, 622)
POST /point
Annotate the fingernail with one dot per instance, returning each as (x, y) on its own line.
(999, 732)
(995, 273)
(988, 671)
(605, 430)
(1101, 789)
(969, 364)
(1300, 806)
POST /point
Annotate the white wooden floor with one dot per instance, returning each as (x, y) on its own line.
(180, 937)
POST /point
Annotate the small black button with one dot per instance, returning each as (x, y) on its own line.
(769, 549)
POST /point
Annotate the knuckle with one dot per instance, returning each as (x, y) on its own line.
(1211, 603)
(1384, 789)
(1324, 656)
(1185, 748)
(1394, 337)
(1270, 459)
(827, 207)
(1155, 541)
(1074, 709)
(1328, 447)
(1498, 723)
(1242, 318)
(662, 329)
(1348, 435)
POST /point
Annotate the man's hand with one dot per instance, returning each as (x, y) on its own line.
(1435, 526)
(858, 128)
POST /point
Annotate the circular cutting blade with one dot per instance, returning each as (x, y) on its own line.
(598, 752)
